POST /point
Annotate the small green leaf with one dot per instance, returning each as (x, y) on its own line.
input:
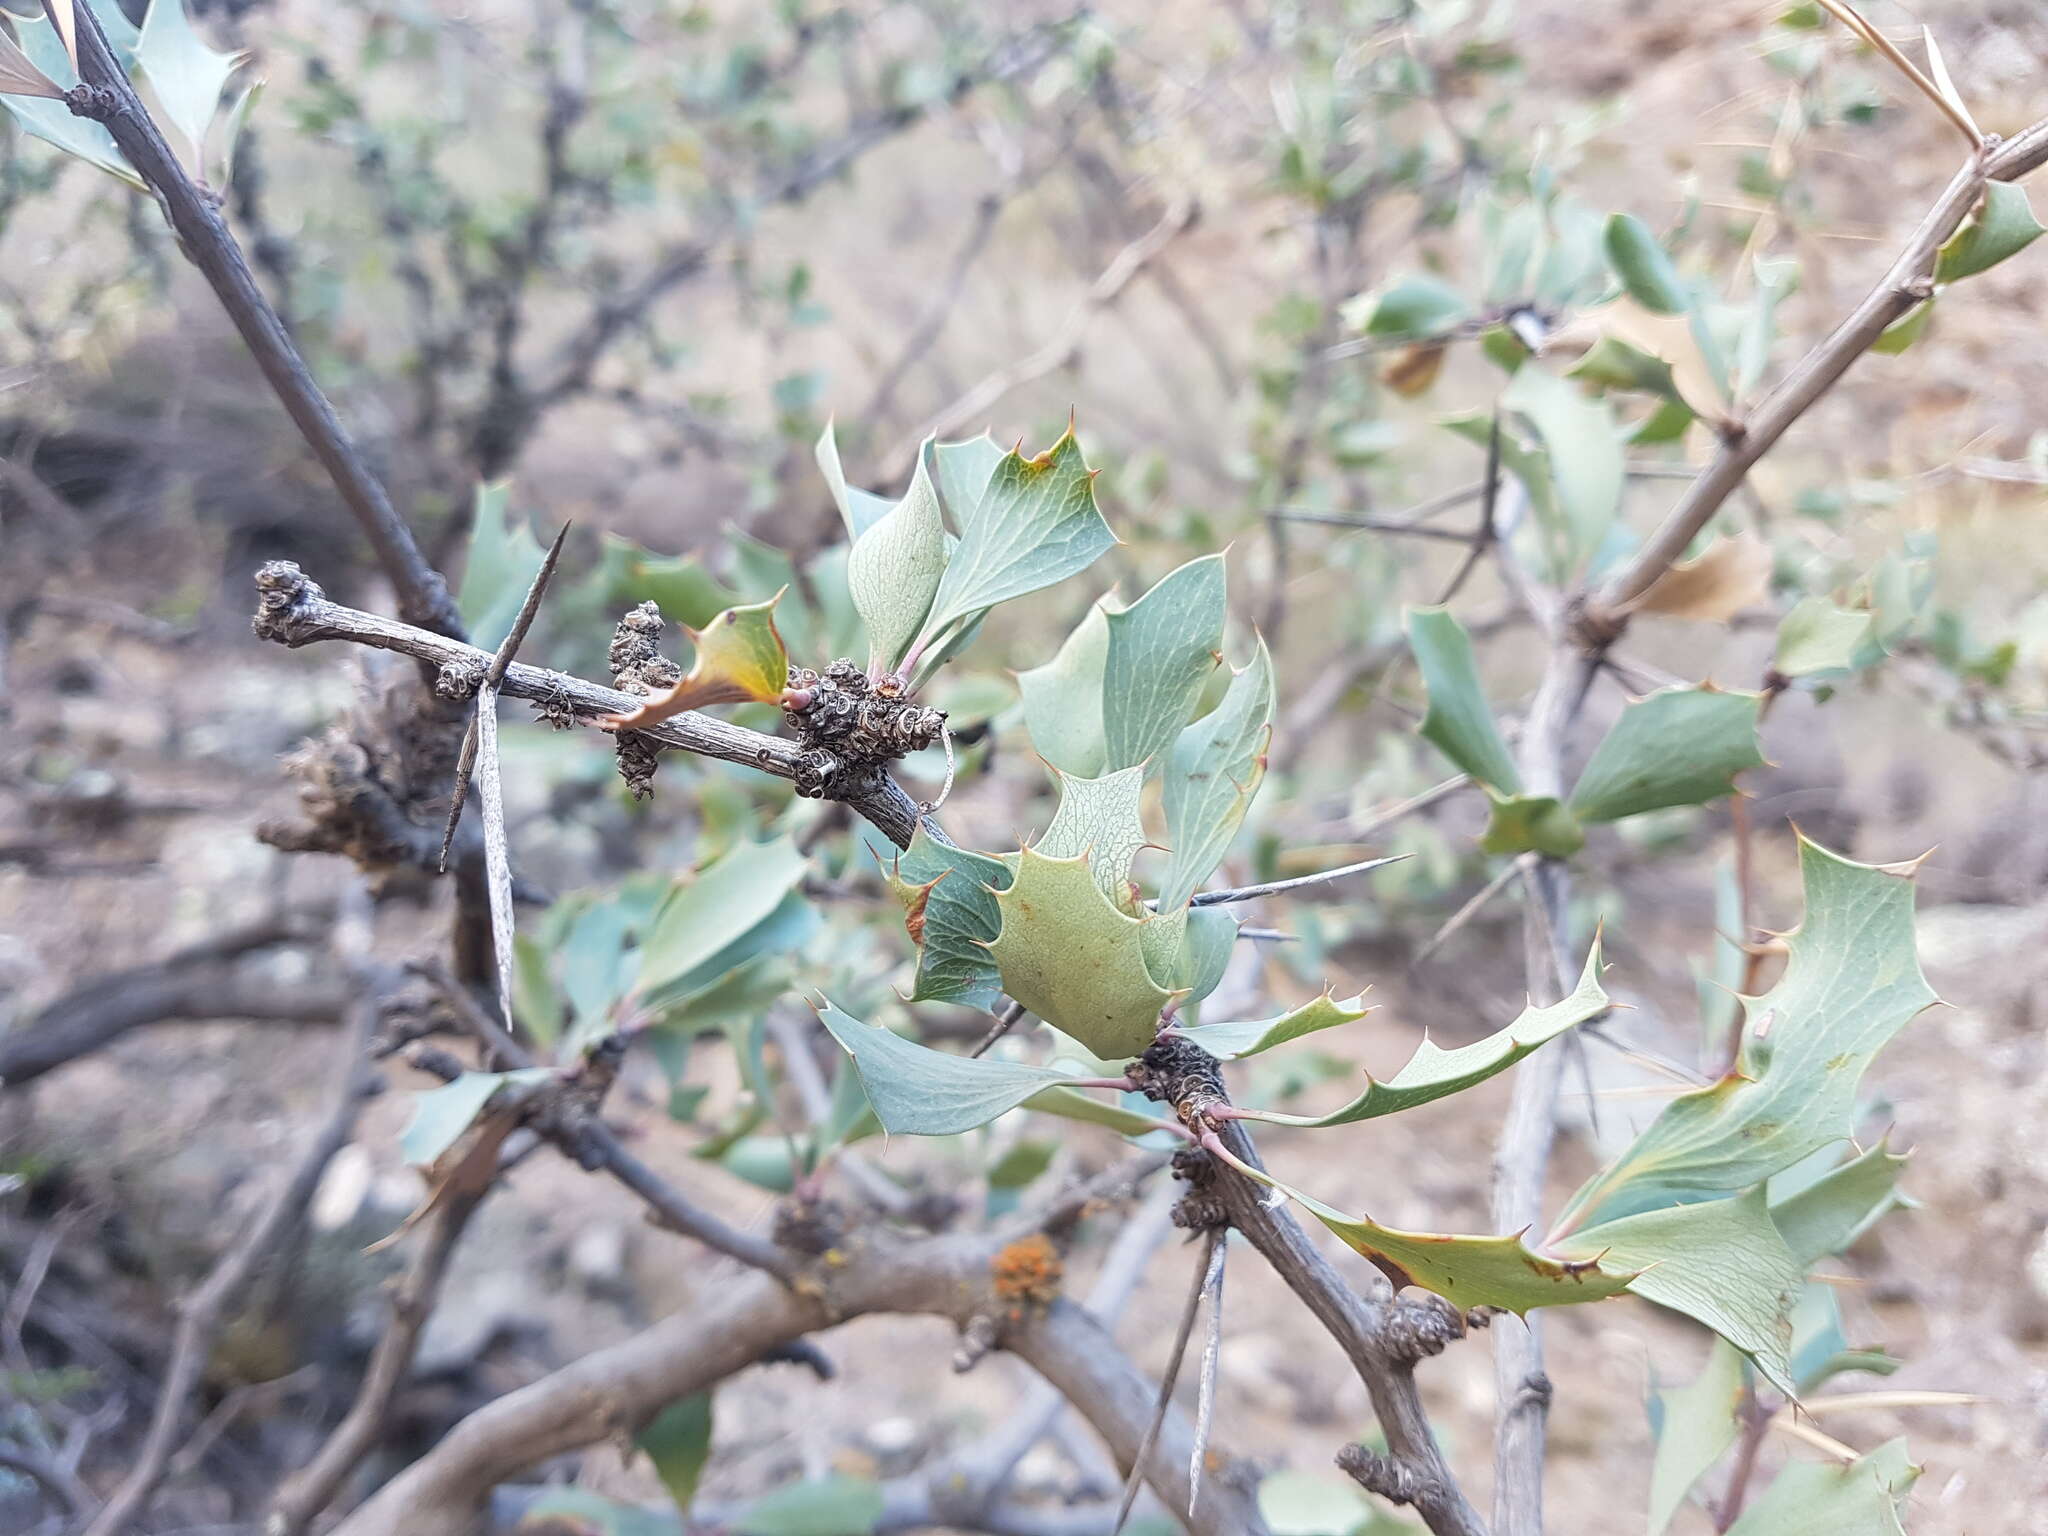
(678, 1441)
(1530, 823)
(1099, 818)
(504, 557)
(1063, 698)
(440, 1115)
(1459, 722)
(590, 1514)
(1817, 637)
(1162, 649)
(953, 920)
(1696, 1424)
(1433, 1073)
(186, 75)
(1611, 363)
(1678, 746)
(1035, 524)
(1579, 435)
(740, 656)
(859, 510)
(1904, 331)
(1214, 771)
(1235, 1041)
(1852, 982)
(1070, 956)
(1311, 1504)
(717, 907)
(2003, 225)
(1640, 261)
(917, 1091)
(1865, 1498)
(831, 1506)
(1416, 309)
(894, 568)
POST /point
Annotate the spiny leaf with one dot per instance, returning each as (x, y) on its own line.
(1063, 698)
(957, 917)
(1188, 949)
(1161, 651)
(186, 75)
(962, 471)
(739, 656)
(1434, 1073)
(1099, 817)
(1066, 953)
(1865, 1498)
(1852, 982)
(49, 119)
(1034, 525)
(1678, 746)
(1829, 1214)
(1235, 1041)
(1695, 1426)
(895, 566)
(1721, 1263)
(1212, 774)
(2003, 225)
(1639, 260)
(859, 510)
(1817, 637)
(715, 908)
(1459, 722)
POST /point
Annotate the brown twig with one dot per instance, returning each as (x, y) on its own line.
(199, 1314)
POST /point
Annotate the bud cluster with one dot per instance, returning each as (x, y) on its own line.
(852, 727)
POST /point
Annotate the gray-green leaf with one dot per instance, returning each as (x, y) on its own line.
(2004, 225)
(1640, 261)
(895, 567)
(1458, 722)
(1679, 746)
(1213, 773)
(1063, 698)
(1161, 651)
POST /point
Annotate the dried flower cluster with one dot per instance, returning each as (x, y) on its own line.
(852, 727)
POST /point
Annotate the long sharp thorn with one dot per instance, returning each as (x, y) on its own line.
(1205, 1411)
(1214, 1239)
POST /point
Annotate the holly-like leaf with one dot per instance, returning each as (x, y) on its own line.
(1865, 1498)
(1161, 651)
(1063, 698)
(859, 510)
(1235, 1041)
(1578, 433)
(716, 908)
(1695, 1425)
(917, 1091)
(2003, 226)
(1828, 1215)
(894, 567)
(1720, 1262)
(1458, 722)
(1034, 525)
(47, 117)
(1640, 261)
(1188, 949)
(962, 471)
(186, 75)
(1817, 637)
(1099, 818)
(1212, 774)
(1070, 956)
(950, 901)
(1434, 1073)
(740, 656)
(1678, 746)
(677, 1441)
(1852, 982)
(1731, 574)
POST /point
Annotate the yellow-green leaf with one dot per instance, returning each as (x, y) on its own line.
(739, 656)
(1234, 1041)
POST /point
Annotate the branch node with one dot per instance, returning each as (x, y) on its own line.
(460, 679)
(1178, 1072)
(283, 592)
(1395, 1480)
(93, 101)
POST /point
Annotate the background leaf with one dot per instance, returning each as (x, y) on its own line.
(1638, 258)
(716, 907)
(1865, 1498)
(917, 1091)
(1679, 746)
(1458, 722)
(186, 75)
(678, 1441)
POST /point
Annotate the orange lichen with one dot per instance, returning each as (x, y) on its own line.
(1027, 1274)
